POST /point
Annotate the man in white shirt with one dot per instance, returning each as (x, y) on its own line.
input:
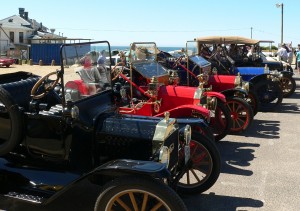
(282, 53)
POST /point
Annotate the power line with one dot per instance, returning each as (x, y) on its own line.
(147, 31)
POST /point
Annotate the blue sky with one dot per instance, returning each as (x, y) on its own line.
(169, 23)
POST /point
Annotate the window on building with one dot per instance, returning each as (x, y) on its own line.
(21, 37)
(12, 37)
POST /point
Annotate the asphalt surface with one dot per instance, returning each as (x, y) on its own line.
(261, 167)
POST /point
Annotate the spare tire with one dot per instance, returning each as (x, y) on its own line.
(11, 123)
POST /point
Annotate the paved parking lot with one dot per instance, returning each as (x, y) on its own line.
(260, 168)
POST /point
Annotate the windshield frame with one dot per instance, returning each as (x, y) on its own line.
(61, 72)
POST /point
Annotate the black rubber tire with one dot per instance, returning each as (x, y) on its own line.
(10, 111)
(269, 94)
(241, 114)
(205, 158)
(288, 85)
(220, 127)
(119, 188)
(253, 101)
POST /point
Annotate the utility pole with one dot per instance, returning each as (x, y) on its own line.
(251, 32)
(281, 5)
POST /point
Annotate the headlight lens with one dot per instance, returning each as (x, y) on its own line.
(211, 103)
(75, 112)
(246, 86)
(238, 81)
(164, 155)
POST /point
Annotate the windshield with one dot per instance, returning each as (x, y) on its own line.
(143, 59)
(144, 51)
(150, 69)
(86, 69)
(200, 61)
(191, 48)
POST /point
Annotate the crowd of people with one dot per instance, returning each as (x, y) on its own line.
(286, 53)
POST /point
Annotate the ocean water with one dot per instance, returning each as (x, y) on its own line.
(160, 48)
(166, 49)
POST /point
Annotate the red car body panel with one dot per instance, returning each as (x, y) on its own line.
(221, 82)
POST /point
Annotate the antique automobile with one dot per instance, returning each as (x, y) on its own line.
(53, 138)
(143, 89)
(243, 55)
(267, 84)
(6, 61)
(241, 102)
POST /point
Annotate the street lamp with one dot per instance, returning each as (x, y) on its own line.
(281, 5)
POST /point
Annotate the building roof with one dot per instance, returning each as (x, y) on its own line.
(16, 20)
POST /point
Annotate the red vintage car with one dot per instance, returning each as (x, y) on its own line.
(241, 103)
(147, 88)
(5, 61)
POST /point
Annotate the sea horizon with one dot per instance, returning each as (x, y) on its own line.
(164, 48)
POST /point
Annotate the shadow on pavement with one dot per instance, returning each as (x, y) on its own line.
(263, 129)
(235, 155)
(211, 202)
(288, 107)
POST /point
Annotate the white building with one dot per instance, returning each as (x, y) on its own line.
(17, 32)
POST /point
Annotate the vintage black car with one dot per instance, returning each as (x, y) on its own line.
(54, 137)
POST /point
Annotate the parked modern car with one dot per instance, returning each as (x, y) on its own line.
(6, 61)
(53, 137)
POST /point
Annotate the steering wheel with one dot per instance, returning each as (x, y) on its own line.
(117, 71)
(48, 86)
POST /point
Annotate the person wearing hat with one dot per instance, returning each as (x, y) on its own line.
(289, 50)
(298, 59)
(101, 66)
(282, 53)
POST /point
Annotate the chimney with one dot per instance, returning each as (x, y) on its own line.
(26, 15)
(21, 12)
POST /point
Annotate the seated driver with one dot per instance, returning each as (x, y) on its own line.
(89, 74)
(102, 69)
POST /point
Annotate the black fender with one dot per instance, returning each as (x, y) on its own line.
(116, 168)
(286, 73)
(122, 167)
(259, 78)
(128, 166)
(235, 92)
